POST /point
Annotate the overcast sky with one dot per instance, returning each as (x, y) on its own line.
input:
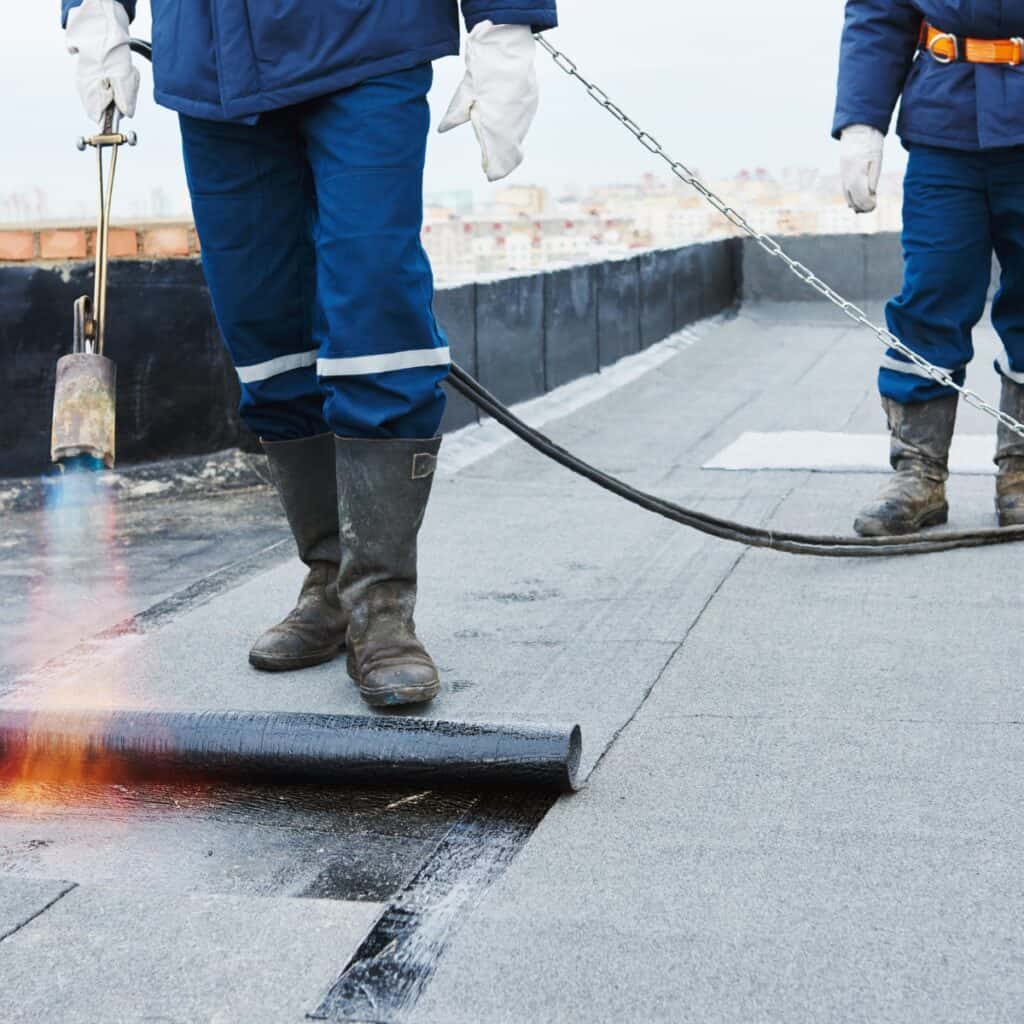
(728, 85)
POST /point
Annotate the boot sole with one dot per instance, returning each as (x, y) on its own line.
(294, 664)
(878, 528)
(400, 698)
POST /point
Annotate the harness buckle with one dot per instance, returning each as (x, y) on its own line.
(1019, 41)
(937, 38)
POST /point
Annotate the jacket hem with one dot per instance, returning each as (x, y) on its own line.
(248, 108)
(201, 109)
(941, 142)
(539, 21)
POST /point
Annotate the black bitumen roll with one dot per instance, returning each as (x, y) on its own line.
(288, 748)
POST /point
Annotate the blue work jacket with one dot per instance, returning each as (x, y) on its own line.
(231, 60)
(958, 106)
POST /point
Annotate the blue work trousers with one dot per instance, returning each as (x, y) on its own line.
(309, 223)
(959, 208)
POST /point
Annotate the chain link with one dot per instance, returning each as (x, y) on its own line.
(771, 246)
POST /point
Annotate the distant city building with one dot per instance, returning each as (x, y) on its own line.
(524, 228)
(459, 201)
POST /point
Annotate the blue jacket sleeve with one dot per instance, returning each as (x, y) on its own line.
(66, 5)
(879, 42)
(539, 14)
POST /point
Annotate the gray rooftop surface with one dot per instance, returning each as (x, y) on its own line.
(806, 788)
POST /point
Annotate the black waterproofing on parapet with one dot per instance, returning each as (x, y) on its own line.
(286, 748)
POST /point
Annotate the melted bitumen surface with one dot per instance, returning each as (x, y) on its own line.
(304, 842)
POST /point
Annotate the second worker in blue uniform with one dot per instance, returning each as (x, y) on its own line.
(957, 68)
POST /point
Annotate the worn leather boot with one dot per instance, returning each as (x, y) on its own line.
(914, 497)
(314, 631)
(1010, 459)
(383, 489)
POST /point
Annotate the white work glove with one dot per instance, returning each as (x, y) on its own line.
(861, 148)
(98, 32)
(498, 95)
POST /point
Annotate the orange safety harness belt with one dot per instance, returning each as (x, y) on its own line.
(947, 48)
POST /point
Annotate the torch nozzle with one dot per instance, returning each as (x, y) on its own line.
(84, 409)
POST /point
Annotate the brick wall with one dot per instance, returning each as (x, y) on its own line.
(160, 240)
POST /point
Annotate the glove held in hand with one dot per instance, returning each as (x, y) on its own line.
(98, 33)
(861, 148)
(498, 94)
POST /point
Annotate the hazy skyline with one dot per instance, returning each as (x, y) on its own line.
(724, 87)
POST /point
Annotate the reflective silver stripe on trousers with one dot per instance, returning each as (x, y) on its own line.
(889, 363)
(274, 367)
(356, 365)
(1003, 362)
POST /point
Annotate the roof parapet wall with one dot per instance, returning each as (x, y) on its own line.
(178, 394)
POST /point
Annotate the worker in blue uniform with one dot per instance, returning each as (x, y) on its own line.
(958, 68)
(304, 128)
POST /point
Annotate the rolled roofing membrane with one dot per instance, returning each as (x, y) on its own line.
(73, 744)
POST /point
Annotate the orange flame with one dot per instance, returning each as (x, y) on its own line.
(79, 525)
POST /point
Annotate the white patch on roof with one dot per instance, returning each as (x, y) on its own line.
(823, 452)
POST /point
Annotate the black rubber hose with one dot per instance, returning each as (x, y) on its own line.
(299, 748)
(791, 543)
(725, 529)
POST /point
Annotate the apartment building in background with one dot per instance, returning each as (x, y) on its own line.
(525, 228)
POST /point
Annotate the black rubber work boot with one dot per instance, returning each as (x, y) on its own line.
(383, 489)
(314, 631)
(1010, 459)
(914, 497)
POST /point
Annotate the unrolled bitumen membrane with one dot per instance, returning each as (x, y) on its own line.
(72, 744)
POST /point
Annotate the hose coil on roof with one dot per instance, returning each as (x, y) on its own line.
(726, 529)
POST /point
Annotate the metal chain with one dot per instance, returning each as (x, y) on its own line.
(771, 246)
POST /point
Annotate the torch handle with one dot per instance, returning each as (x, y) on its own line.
(94, 324)
(106, 197)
